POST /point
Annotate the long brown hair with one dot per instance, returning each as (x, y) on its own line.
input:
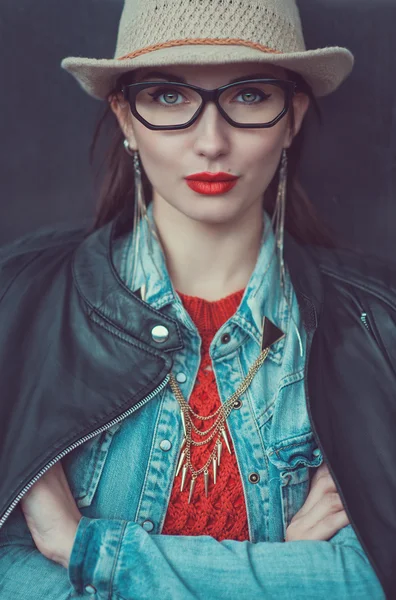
(115, 179)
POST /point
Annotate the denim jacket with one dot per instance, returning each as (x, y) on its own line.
(123, 478)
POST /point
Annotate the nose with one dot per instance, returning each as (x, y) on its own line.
(211, 133)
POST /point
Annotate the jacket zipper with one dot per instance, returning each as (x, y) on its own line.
(308, 403)
(363, 318)
(78, 443)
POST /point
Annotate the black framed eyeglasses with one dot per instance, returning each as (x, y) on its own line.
(247, 104)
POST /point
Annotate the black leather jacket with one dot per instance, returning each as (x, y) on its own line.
(76, 353)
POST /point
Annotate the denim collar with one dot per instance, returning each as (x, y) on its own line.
(262, 297)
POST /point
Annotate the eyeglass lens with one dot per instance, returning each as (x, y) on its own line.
(169, 104)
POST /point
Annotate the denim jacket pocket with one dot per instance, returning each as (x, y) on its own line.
(293, 460)
(84, 466)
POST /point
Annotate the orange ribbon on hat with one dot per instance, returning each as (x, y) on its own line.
(200, 41)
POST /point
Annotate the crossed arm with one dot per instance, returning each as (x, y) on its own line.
(118, 560)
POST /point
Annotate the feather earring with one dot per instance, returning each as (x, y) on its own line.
(140, 213)
(278, 222)
(278, 218)
(137, 214)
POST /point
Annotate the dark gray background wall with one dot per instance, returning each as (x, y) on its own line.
(46, 122)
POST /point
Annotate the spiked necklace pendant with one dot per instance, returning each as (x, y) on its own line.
(216, 433)
(184, 476)
(206, 479)
(192, 486)
(181, 460)
(214, 469)
(227, 443)
(184, 466)
(219, 449)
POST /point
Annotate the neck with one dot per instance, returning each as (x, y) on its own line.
(210, 261)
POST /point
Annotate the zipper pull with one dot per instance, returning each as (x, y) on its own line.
(363, 318)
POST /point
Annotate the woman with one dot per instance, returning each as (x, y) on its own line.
(196, 369)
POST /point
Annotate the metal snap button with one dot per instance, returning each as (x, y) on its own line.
(316, 452)
(181, 378)
(90, 589)
(148, 525)
(165, 445)
(160, 334)
(225, 338)
(254, 477)
(237, 404)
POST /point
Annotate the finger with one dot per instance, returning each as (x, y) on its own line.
(328, 504)
(323, 469)
(322, 483)
(328, 527)
(319, 508)
(320, 531)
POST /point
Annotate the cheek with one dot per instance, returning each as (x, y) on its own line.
(260, 154)
(159, 154)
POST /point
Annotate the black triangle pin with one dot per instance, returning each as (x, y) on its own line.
(271, 334)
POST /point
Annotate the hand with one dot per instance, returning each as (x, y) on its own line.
(52, 515)
(322, 514)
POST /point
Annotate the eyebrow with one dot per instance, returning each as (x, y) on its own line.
(171, 77)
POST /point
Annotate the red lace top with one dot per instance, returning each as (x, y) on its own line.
(222, 514)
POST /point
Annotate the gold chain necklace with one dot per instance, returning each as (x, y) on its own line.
(271, 335)
(215, 431)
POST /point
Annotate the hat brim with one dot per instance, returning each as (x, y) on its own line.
(323, 69)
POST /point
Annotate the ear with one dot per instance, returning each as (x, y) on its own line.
(301, 104)
(122, 111)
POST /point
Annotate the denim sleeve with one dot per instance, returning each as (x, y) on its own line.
(121, 561)
(25, 574)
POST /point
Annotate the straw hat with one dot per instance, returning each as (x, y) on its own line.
(196, 32)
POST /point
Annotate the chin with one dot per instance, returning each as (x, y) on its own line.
(212, 211)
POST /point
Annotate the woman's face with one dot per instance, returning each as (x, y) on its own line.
(210, 144)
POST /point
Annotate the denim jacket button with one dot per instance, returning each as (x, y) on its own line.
(225, 338)
(148, 525)
(181, 378)
(160, 334)
(90, 589)
(165, 445)
(286, 478)
(237, 404)
(254, 477)
(316, 452)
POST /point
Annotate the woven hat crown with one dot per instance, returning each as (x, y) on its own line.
(203, 32)
(272, 23)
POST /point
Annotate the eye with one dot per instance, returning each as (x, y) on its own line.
(169, 94)
(253, 96)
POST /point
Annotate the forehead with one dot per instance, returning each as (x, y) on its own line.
(218, 74)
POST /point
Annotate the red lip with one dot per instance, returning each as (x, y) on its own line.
(211, 177)
(211, 188)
